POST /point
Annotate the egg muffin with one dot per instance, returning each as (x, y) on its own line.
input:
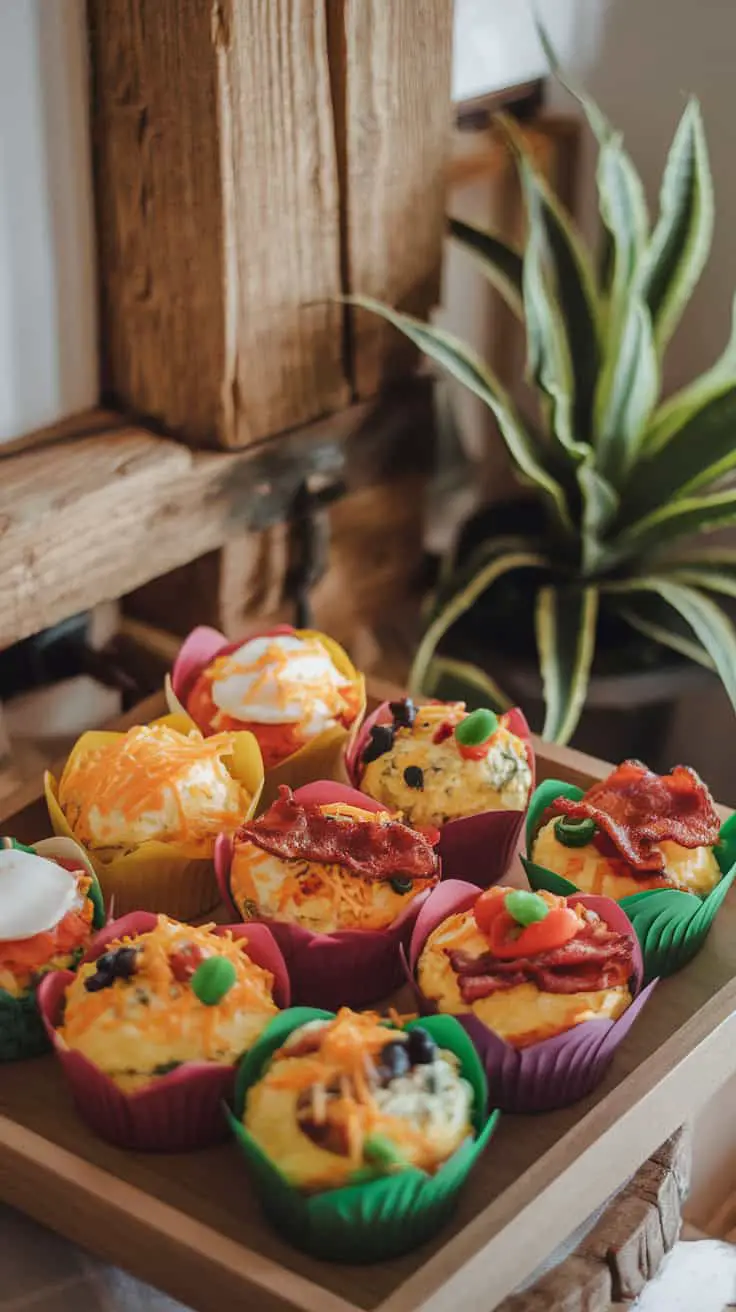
(157, 1000)
(634, 831)
(348, 1099)
(528, 965)
(47, 914)
(286, 688)
(328, 867)
(435, 762)
(152, 783)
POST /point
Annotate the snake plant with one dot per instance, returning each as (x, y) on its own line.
(624, 481)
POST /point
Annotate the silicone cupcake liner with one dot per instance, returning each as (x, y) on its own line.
(671, 925)
(321, 757)
(22, 1032)
(180, 1111)
(351, 968)
(557, 1071)
(383, 1218)
(478, 848)
(173, 878)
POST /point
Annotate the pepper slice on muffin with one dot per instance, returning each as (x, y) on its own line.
(147, 806)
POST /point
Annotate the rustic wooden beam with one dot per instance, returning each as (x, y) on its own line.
(218, 221)
(83, 520)
(397, 118)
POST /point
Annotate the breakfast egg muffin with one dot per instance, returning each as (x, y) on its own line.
(350, 1099)
(152, 783)
(154, 1001)
(436, 762)
(528, 965)
(633, 831)
(286, 688)
(47, 913)
(328, 867)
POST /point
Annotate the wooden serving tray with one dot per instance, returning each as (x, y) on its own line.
(190, 1224)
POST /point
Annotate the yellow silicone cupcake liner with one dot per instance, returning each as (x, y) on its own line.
(320, 758)
(177, 879)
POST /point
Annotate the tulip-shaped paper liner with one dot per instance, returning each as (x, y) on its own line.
(378, 1219)
(22, 1032)
(478, 848)
(321, 757)
(557, 1071)
(671, 925)
(351, 967)
(175, 1112)
(177, 879)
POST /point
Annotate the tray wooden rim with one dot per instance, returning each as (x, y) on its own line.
(598, 1152)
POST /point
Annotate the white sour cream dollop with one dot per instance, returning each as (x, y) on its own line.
(275, 680)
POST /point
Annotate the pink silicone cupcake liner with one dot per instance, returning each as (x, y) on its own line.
(351, 968)
(557, 1071)
(201, 647)
(179, 1111)
(478, 848)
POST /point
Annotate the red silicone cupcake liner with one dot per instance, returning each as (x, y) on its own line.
(350, 968)
(558, 1071)
(179, 1111)
(477, 848)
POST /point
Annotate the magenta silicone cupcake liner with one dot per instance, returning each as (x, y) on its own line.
(350, 968)
(477, 848)
(179, 1111)
(557, 1071)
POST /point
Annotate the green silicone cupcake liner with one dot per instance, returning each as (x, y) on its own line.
(671, 925)
(377, 1219)
(22, 1032)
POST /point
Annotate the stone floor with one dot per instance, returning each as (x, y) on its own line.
(39, 1272)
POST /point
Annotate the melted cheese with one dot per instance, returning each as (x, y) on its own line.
(426, 1127)
(319, 896)
(279, 680)
(521, 1015)
(152, 783)
(695, 870)
(453, 785)
(152, 1019)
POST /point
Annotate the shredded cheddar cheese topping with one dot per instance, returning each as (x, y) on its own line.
(178, 784)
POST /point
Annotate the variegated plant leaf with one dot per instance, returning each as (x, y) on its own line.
(566, 621)
(677, 519)
(680, 409)
(457, 358)
(681, 240)
(504, 563)
(627, 389)
(501, 263)
(697, 456)
(460, 681)
(600, 503)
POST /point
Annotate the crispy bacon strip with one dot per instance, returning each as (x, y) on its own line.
(597, 958)
(637, 809)
(369, 848)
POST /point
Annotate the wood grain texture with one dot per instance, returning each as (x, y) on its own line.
(192, 1222)
(397, 115)
(217, 214)
(84, 520)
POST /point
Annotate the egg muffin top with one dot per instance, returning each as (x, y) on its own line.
(156, 1000)
(350, 1099)
(285, 688)
(633, 831)
(528, 965)
(435, 762)
(46, 917)
(152, 782)
(329, 867)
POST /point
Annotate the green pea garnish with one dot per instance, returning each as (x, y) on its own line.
(212, 979)
(525, 908)
(381, 1152)
(476, 728)
(574, 833)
